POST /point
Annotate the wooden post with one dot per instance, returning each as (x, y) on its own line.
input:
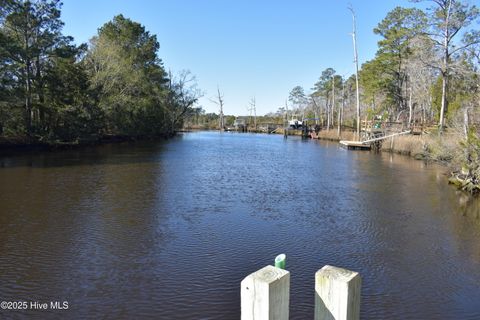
(337, 294)
(265, 295)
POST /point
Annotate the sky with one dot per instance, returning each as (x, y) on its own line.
(246, 48)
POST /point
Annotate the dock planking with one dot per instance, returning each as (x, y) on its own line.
(367, 144)
(355, 145)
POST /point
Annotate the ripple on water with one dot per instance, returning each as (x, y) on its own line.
(168, 230)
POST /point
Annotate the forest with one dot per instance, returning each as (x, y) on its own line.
(55, 91)
(425, 74)
(425, 70)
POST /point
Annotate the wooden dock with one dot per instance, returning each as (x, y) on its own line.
(367, 144)
(356, 145)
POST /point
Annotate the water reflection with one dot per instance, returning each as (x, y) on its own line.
(118, 153)
(168, 230)
(468, 206)
(81, 233)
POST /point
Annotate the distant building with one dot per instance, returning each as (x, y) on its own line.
(240, 123)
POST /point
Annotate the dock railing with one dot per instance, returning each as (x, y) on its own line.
(265, 294)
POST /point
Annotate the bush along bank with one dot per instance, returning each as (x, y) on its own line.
(466, 163)
(460, 153)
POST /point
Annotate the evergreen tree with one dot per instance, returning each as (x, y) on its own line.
(30, 32)
(128, 78)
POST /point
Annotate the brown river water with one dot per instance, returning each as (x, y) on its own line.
(167, 230)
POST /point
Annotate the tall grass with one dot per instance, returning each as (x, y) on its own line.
(406, 144)
(332, 134)
(427, 146)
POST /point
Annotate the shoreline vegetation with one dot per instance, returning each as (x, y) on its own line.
(56, 94)
(448, 150)
(451, 149)
(444, 150)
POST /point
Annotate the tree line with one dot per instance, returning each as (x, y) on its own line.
(425, 74)
(54, 90)
(199, 119)
(426, 70)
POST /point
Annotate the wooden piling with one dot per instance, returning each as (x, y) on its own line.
(337, 294)
(265, 295)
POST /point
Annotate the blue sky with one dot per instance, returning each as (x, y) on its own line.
(248, 48)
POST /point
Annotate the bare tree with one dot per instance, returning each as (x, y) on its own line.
(184, 93)
(340, 111)
(447, 19)
(355, 55)
(254, 109)
(421, 76)
(220, 102)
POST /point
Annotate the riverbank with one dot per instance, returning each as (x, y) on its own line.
(452, 150)
(420, 147)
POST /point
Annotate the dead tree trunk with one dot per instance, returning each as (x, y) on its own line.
(355, 55)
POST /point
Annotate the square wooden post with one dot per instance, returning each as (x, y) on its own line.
(337, 294)
(265, 295)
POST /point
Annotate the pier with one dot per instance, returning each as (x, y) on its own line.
(367, 144)
(374, 132)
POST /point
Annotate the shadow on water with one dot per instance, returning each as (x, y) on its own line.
(83, 233)
(468, 206)
(112, 153)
